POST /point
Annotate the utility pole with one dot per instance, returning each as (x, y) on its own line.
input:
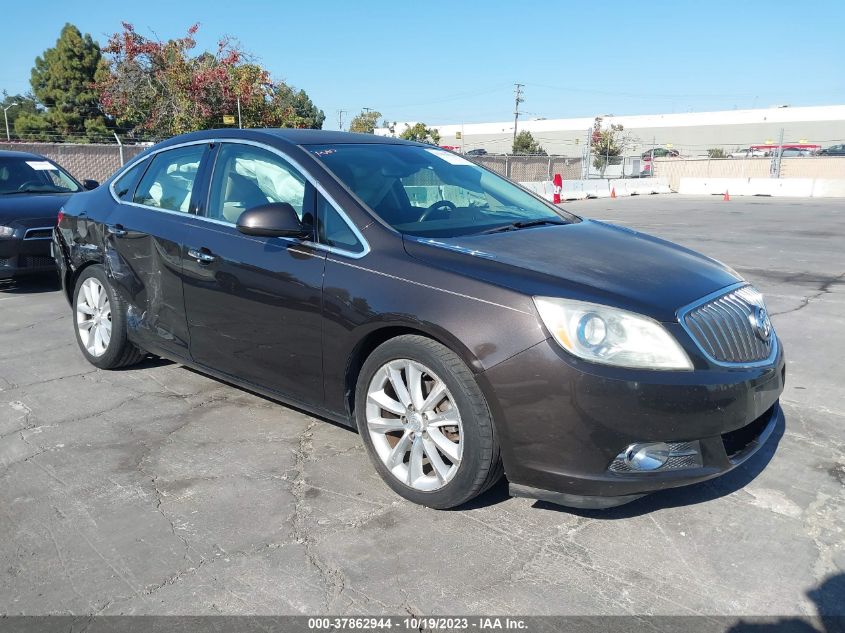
(340, 114)
(518, 93)
(239, 113)
(366, 109)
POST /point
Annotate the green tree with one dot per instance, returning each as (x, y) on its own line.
(716, 152)
(24, 104)
(422, 134)
(158, 89)
(364, 122)
(526, 145)
(606, 144)
(63, 84)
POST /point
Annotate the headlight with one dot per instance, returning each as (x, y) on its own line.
(6, 231)
(602, 334)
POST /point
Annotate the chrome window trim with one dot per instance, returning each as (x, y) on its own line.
(293, 162)
(38, 228)
(685, 310)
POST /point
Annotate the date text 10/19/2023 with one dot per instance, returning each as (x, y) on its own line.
(479, 623)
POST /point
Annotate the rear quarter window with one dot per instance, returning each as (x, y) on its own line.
(124, 187)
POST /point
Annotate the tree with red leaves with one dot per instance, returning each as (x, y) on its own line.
(155, 89)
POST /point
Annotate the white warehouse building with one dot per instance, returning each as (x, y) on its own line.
(691, 133)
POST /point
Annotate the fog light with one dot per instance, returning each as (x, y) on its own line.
(646, 456)
(651, 456)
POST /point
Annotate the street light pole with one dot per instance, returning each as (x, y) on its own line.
(6, 119)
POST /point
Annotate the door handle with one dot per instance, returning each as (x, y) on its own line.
(117, 230)
(201, 255)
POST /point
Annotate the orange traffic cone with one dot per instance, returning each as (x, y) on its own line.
(613, 192)
(727, 196)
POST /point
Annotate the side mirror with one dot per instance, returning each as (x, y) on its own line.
(88, 184)
(274, 219)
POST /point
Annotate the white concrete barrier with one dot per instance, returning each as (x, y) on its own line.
(776, 187)
(639, 186)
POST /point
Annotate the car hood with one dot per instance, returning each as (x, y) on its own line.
(587, 260)
(23, 207)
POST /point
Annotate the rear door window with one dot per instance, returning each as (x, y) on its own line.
(169, 181)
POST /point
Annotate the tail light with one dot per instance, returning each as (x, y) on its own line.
(61, 216)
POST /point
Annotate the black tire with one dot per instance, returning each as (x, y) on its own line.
(481, 464)
(120, 352)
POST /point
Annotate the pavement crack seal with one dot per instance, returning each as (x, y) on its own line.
(333, 579)
(824, 289)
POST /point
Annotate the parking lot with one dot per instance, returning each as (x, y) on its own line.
(157, 490)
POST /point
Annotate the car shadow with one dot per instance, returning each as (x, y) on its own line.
(34, 284)
(829, 599)
(686, 495)
(278, 403)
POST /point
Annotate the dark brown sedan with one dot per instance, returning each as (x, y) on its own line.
(465, 326)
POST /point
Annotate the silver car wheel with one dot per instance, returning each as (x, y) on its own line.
(414, 424)
(93, 317)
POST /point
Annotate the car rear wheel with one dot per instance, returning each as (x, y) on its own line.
(100, 322)
(425, 423)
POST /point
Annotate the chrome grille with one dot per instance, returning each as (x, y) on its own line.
(724, 327)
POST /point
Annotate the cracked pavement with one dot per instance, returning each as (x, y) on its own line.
(157, 490)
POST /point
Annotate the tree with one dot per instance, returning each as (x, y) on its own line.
(156, 89)
(524, 144)
(422, 134)
(25, 104)
(716, 152)
(364, 122)
(63, 84)
(606, 144)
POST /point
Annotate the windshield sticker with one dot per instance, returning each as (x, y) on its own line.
(450, 158)
(42, 165)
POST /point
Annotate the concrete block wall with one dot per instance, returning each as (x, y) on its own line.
(674, 169)
(81, 160)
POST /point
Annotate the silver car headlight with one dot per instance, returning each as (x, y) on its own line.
(602, 334)
(6, 231)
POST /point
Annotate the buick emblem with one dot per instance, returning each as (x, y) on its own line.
(761, 324)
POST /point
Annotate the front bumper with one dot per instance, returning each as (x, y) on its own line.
(19, 256)
(561, 422)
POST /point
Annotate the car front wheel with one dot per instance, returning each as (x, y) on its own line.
(425, 423)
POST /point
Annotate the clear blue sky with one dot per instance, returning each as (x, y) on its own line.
(456, 61)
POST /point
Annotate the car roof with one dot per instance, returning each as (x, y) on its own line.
(6, 153)
(289, 136)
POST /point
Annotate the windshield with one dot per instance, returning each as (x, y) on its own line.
(33, 175)
(433, 193)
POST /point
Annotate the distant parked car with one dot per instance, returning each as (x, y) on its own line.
(477, 152)
(32, 190)
(792, 152)
(748, 152)
(833, 150)
(660, 152)
(657, 152)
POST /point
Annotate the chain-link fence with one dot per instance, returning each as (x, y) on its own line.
(539, 168)
(531, 168)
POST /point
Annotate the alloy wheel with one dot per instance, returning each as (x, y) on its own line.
(414, 424)
(93, 317)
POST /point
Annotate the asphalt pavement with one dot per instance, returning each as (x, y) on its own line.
(157, 490)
